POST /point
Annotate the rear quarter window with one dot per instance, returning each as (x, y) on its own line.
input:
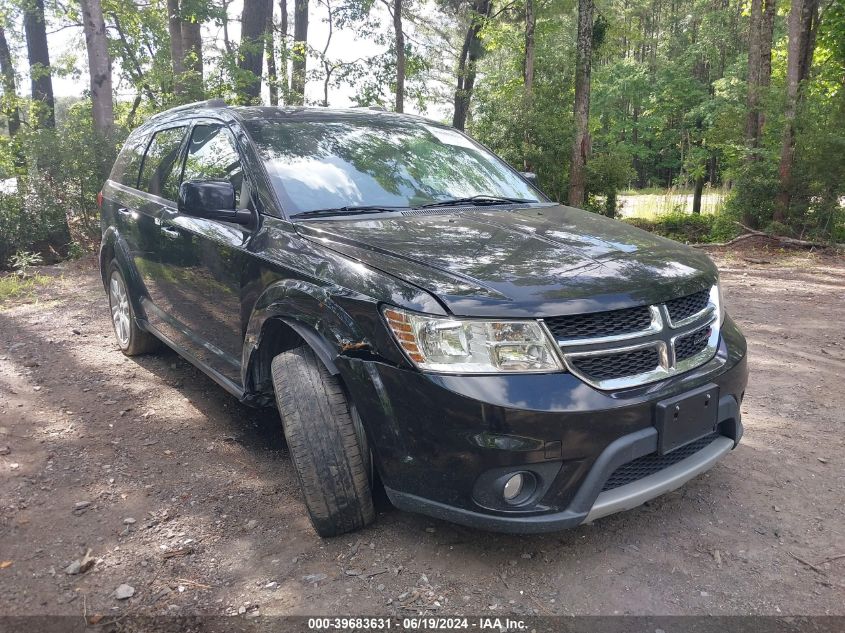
(128, 163)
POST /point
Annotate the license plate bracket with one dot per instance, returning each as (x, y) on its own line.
(686, 418)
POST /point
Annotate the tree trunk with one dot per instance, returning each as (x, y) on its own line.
(766, 40)
(272, 78)
(99, 66)
(300, 52)
(752, 136)
(581, 142)
(177, 50)
(192, 50)
(761, 31)
(635, 141)
(803, 16)
(470, 53)
(696, 195)
(40, 72)
(251, 50)
(224, 19)
(399, 35)
(528, 78)
(528, 61)
(283, 30)
(10, 92)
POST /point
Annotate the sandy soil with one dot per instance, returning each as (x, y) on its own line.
(190, 498)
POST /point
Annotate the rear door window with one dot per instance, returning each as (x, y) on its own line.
(213, 155)
(128, 163)
(161, 169)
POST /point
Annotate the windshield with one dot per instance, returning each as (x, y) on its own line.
(351, 163)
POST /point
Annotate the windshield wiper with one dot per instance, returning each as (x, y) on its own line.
(348, 210)
(479, 200)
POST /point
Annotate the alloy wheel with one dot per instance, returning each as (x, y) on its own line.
(120, 312)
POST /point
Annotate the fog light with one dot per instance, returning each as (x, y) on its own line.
(513, 487)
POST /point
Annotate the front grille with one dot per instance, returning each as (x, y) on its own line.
(662, 335)
(691, 344)
(685, 307)
(617, 365)
(598, 324)
(650, 464)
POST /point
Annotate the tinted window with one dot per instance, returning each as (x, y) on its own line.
(212, 155)
(396, 163)
(160, 172)
(128, 163)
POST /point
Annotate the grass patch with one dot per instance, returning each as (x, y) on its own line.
(13, 286)
(657, 191)
(688, 228)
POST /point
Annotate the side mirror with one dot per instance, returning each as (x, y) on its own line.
(531, 177)
(212, 200)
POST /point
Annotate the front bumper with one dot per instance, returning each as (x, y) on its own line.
(440, 442)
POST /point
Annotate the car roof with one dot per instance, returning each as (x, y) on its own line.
(218, 108)
(269, 113)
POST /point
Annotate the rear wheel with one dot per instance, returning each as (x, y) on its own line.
(326, 441)
(131, 339)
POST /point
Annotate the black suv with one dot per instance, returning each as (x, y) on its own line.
(421, 314)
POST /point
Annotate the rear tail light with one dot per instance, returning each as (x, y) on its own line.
(100, 199)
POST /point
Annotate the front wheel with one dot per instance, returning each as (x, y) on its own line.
(131, 338)
(326, 442)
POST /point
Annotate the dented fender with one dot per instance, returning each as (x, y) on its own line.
(311, 312)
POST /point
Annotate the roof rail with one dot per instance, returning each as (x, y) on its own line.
(208, 103)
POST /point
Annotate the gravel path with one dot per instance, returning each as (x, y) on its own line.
(190, 500)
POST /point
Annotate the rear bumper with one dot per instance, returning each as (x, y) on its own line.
(442, 444)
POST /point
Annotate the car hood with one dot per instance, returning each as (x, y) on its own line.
(533, 261)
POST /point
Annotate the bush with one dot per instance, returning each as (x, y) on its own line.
(27, 226)
(54, 209)
(607, 174)
(681, 227)
(725, 226)
(752, 198)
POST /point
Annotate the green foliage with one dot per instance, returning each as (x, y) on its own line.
(607, 174)
(13, 286)
(682, 227)
(141, 46)
(24, 226)
(668, 109)
(668, 106)
(753, 195)
(75, 250)
(724, 227)
(22, 261)
(55, 202)
(536, 134)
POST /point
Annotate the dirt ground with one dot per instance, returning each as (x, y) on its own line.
(191, 500)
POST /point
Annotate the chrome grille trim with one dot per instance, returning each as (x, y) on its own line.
(695, 318)
(662, 335)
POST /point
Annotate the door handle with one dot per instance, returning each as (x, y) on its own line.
(169, 232)
(124, 211)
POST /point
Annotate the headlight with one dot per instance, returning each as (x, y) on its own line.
(472, 346)
(718, 300)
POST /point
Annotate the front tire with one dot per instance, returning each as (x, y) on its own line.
(326, 443)
(131, 339)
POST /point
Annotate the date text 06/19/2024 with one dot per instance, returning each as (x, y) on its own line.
(419, 623)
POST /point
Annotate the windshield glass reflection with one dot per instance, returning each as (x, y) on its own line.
(351, 162)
